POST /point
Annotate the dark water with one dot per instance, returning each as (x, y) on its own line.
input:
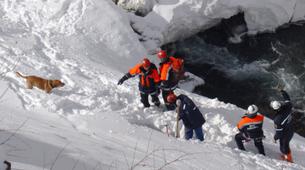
(246, 73)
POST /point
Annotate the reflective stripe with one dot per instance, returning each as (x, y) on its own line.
(170, 88)
(184, 106)
(251, 123)
(195, 108)
(278, 129)
(153, 93)
(286, 119)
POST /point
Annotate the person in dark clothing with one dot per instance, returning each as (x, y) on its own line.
(250, 127)
(149, 80)
(190, 114)
(283, 124)
(170, 74)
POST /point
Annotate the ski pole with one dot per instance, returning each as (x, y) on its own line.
(177, 126)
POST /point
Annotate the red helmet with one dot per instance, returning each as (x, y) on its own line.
(162, 54)
(171, 98)
(146, 63)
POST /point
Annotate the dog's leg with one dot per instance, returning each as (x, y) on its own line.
(48, 88)
(29, 85)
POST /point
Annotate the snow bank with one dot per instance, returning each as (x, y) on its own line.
(170, 22)
(141, 7)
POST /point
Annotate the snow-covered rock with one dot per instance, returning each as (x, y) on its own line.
(170, 22)
(141, 7)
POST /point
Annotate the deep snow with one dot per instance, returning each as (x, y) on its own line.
(92, 123)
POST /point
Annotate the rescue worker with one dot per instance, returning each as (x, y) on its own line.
(149, 80)
(250, 127)
(283, 124)
(170, 74)
(190, 114)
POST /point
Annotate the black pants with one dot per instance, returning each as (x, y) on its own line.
(154, 99)
(169, 106)
(284, 143)
(258, 142)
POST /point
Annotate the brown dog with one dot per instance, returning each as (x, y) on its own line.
(43, 84)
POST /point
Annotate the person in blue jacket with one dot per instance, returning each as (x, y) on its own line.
(190, 115)
(283, 124)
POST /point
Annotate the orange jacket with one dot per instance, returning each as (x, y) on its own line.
(168, 76)
(245, 121)
(148, 78)
(252, 126)
(164, 70)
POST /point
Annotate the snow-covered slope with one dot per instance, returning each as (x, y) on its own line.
(78, 28)
(92, 123)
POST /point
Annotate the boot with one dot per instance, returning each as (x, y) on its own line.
(287, 157)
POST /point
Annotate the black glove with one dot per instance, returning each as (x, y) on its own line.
(162, 85)
(275, 138)
(121, 81)
(125, 77)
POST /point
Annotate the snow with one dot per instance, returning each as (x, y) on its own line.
(169, 22)
(91, 123)
(80, 21)
(299, 11)
(142, 7)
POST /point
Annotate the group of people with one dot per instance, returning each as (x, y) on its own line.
(250, 127)
(152, 81)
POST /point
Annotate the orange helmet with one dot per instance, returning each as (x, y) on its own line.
(171, 98)
(146, 63)
(162, 54)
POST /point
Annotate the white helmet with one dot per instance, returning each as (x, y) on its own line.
(252, 110)
(275, 105)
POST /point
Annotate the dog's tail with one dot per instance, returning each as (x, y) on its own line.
(19, 75)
